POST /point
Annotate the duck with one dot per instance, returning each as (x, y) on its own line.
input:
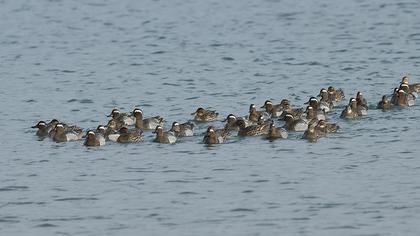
(126, 136)
(94, 139)
(310, 134)
(51, 125)
(147, 123)
(287, 109)
(408, 91)
(384, 104)
(212, 136)
(394, 96)
(115, 124)
(107, 133)
(273, 110)
(124, 118)
(164, 137)
(361, 101)
(325, 103)
(412, 87)
(231, 122)
(323, 128)
(404, 99)
(292, 124)
(313, 102)
(312, 114)
(336, 94)
(404, 87)
(350, 111)
(203, 115)
(252, 130)
(61, 134)
(254, 115)
(117, 121)
(182, 130)
(102, 130)
(275, 133)
(68, 128)
(43, 129)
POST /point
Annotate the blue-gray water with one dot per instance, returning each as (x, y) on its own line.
(76, 60)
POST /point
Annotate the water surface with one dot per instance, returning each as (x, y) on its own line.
(77, 60)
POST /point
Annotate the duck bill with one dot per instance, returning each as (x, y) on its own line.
(33, 127)
(193, 113)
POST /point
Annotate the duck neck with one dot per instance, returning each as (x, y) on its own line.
(212, 138)
(272, 131)
(139, 121)
(269, 108)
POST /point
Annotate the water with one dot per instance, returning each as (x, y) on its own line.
(77, 60)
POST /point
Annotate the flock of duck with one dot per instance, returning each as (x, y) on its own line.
(129, 127)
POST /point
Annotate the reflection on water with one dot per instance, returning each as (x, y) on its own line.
(76, 61)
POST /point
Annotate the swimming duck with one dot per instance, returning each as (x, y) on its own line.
(107, 133)
(102, 130)
(262, 120)
(214, 136)
(203, 115)
(274, 132)
(315, 114)
(254, 115)
(412, 87)
(405, 88)
(94, 139)
(164, 137)
(385, 103)
(67, 128)
(294, 125)
(410, 94)
(117, 121)
(231, 123)
(323, 128)
(313, 102)
(147, 123)
(361, 101)
(51, 125)
(350, 111)
(325, 103)
(336, 94)
(251, 130)
(42, 129)
(404, 99)
(273, 110)
(287, 109)
(63, 135)
(311, 114)
(394, 96)
(182, 130)
(125, 136)
(310, 134)
(124, 118)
